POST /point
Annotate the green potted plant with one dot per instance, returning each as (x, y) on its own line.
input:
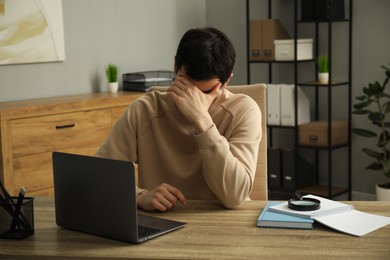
(112, 77)
(323, 69)
(375, 104)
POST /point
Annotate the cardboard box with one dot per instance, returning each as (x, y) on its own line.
(316, 133)
(256, 34)
(284, 49)
(262, 36)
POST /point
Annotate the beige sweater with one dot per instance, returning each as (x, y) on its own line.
(219, 163)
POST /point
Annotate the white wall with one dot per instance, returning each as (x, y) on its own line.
(137, 35)
(371, 49)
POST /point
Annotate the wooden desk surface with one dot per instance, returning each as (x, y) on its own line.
(212, 232)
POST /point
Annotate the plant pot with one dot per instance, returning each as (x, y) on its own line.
(382, 193)
(113, 87)
(323, 77)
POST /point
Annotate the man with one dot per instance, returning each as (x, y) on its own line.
(197, 140)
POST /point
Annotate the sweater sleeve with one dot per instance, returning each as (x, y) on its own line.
(229, 163)
(120, 143)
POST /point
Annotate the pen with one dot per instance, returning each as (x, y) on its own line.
(6, 199)
(6, 206)
(18, 208)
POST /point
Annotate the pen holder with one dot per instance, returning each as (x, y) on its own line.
(14, 223)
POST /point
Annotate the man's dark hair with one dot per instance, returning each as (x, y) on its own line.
(205, 54)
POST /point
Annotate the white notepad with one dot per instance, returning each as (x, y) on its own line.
(338, 216)
(354, 222)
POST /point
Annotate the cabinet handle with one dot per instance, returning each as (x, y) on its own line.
(313, 139)
(65, 126)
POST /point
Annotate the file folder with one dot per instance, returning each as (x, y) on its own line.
(274, 168)
(273, 104)
(287, 102)
(294, 178)
(272, 30)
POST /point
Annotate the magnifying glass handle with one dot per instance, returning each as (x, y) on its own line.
(298, 194)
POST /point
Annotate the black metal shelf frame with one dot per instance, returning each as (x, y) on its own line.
(329, 87)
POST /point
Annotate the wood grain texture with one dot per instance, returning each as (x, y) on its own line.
(53, 132)
(116, 113)
(65, 104)
(212, 232)
(31, 130)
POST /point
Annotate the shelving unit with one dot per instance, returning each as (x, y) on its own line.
(329, 190)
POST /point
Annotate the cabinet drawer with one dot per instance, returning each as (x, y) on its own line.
(58, 132)
(37, 178)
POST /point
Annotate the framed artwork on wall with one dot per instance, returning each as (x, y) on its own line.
(31, 31)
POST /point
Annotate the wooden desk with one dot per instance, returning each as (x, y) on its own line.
(212, 232)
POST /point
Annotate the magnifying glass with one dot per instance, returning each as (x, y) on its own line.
(303, 204)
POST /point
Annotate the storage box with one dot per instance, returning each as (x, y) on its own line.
(316, 133)
(318, 10)
(143, 81)
(262, 36)
(256, 35)
(284, 49)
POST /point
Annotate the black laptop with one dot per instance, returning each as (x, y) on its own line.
(97, 196)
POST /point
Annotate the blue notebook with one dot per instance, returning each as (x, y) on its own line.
(273, 219)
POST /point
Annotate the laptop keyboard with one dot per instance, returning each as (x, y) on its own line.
(146, 231)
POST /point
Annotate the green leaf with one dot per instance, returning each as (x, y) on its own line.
(375, 166)
(376, 118)
(377, 87)
(387, 152)
(322, 62)
(373, 89)
(385, 83)
(361, 98)
(387, 73)
(375, 95)
(385, 95)
(112, 72)
(367, 91)
(364, 132)
(361, 112)
(362, 105)
(386, 107)
(383, 139)
(373, 153)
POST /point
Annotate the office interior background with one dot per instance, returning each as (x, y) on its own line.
(142, 35)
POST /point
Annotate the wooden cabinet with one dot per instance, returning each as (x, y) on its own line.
(31, 130)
